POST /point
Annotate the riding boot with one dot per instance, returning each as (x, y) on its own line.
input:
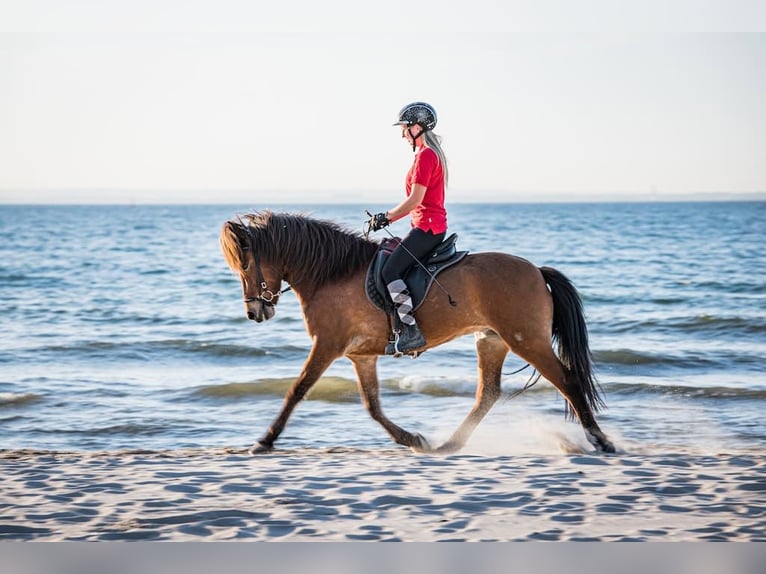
(409, 338)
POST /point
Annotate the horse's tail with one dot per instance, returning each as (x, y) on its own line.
(571, 335)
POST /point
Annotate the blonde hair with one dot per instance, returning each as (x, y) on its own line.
(434, 142)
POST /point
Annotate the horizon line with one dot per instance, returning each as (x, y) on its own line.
(339, 197)
(750, 199)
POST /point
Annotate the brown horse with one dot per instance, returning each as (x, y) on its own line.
(511, 304)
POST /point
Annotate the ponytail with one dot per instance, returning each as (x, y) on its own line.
(434, 142)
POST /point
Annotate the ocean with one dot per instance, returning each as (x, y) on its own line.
(122, 328)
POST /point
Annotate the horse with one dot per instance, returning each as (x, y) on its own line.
(510, 305)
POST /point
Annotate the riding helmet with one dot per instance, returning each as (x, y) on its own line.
(419, 113)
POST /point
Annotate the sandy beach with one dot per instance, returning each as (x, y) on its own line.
(380, 495)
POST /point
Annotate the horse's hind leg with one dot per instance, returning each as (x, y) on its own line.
(367, 376)
(491, 352)
(542, 358)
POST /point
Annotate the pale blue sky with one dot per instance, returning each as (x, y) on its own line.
(230, 101)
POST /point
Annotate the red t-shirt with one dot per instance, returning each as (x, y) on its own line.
(426, 170)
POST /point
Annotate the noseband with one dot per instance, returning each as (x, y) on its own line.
(266, 296)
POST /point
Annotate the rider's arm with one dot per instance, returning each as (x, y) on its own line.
(410, 203)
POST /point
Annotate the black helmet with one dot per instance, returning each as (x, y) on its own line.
(419, 113)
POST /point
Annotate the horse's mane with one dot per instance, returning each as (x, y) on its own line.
(315, 251)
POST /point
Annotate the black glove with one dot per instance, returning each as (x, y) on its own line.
(379, 221)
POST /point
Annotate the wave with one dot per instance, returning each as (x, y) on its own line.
(630, 357)
(127, 429)
(112, 315)
(712, 323)
(218, 349)
(23, 280)
(446, 387)
(339, 389)
(343, 390)
(693, 360)
(433, 386)
(18, 399)
(739, 287)
(685, 391)
(146, 350)
(329, 389)
(626, 357)
(690, 324)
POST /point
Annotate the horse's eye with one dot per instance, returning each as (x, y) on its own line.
(245, 266)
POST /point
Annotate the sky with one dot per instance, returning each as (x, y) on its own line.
(230, 101)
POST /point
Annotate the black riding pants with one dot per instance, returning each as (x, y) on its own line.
(419, 243)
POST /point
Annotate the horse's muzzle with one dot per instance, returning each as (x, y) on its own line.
(259, 311)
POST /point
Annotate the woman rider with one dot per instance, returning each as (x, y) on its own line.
(424, 186)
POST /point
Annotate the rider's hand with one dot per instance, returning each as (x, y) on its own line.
(379, 221)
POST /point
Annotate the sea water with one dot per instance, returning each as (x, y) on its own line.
(122, 328)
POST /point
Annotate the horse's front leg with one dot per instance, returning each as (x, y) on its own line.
(491, 352)
(367, 377)
(317, 363)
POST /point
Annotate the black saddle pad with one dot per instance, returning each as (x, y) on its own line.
(418, 278)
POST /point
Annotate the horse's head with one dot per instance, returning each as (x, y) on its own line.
(260, 281)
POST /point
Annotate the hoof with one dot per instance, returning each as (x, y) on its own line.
(420, 444)
(600, 442)
(447, 448)
(260, 448)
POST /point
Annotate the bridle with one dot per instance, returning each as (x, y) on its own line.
(266, 296)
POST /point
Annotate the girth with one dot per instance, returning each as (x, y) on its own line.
(418, 280)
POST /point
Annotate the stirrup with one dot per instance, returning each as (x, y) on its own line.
(392, 348)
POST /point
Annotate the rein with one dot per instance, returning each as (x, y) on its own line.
(415, 259)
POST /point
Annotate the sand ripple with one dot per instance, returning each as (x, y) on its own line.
(380, 495)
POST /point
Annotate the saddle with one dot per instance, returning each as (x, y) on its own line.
(418, 280)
